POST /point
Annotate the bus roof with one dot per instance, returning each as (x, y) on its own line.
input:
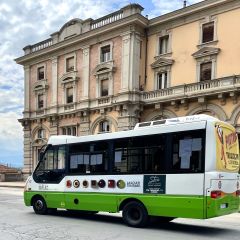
(144, 128)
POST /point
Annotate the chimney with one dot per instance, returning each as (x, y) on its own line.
(184, 3)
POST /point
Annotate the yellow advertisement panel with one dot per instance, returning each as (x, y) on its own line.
(227, 152)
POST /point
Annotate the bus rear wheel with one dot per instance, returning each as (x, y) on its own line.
(39, 206)
(135, 214)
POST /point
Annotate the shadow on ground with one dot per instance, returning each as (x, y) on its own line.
(187, 228)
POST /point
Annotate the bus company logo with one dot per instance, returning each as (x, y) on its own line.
(43, 187)
(134, 184)
(154, 180)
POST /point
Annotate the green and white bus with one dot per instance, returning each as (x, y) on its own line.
(184, 167)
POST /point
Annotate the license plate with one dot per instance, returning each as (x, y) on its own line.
(224, 205)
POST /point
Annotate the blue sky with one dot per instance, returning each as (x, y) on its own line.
(24, 22)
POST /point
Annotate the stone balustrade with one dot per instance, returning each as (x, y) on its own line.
(41, 45)
(194, 89)
(104, 100)
(106, 20)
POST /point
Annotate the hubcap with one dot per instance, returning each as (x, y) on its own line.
(134, 214)
(39, 204)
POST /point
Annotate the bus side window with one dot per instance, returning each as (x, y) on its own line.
(140, 154)
(187, 151)
(89, 158)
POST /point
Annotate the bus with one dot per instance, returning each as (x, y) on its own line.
(184, 167)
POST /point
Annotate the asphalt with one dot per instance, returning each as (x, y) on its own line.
(12, 184)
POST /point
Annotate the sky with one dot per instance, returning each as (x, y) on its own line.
(25, 22)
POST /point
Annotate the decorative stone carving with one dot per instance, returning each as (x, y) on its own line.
(206, 51)
(162, 62)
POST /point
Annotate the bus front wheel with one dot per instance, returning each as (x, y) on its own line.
(135, 214)
(39, 206)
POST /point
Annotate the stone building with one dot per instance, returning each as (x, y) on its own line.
(107, 74)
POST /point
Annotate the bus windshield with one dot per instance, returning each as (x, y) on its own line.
(51, 166)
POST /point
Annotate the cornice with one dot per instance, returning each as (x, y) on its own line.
(162, 62)
(137, 19)
(195, 12)
(194, 8)
(206, 51)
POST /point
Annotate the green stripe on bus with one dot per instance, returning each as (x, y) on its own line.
(198, 207)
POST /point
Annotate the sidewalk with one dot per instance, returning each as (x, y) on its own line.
(12, 184)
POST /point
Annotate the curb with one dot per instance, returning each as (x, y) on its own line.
(7, 186)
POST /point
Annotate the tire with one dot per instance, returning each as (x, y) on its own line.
(39, 206)
(135, 214)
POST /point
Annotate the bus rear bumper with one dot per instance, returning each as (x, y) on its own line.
(222, 206)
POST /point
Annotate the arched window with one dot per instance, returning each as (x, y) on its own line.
(70, 130)
(40, 133)
(104, 126)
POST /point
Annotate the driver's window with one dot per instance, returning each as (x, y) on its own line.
(53, 159)
(49, 159)
(61, 158)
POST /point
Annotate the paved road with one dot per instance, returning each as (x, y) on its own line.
(18, 222)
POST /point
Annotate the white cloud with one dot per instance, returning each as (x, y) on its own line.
(25, 22)
(22, 23)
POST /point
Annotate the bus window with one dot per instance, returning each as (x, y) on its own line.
(51, 167)
(89, 158)
(188, 152)
(145, 154)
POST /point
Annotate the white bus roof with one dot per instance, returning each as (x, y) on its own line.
(144, 128)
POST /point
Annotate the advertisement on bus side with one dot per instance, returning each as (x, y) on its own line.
(227, 148)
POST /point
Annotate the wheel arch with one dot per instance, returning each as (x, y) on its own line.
(127, 200)
(37, 196)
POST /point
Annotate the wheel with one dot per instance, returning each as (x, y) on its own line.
(40, 206)
(135, 214)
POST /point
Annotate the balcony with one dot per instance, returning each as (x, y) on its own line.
(193, 90)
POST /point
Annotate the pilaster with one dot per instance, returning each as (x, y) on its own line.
(27, 165)
(128, 117)
(130, 61)
(85, 78)
(85, 124)
(54, 81)
(26, 90)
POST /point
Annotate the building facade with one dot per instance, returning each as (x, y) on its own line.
(105, 75)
